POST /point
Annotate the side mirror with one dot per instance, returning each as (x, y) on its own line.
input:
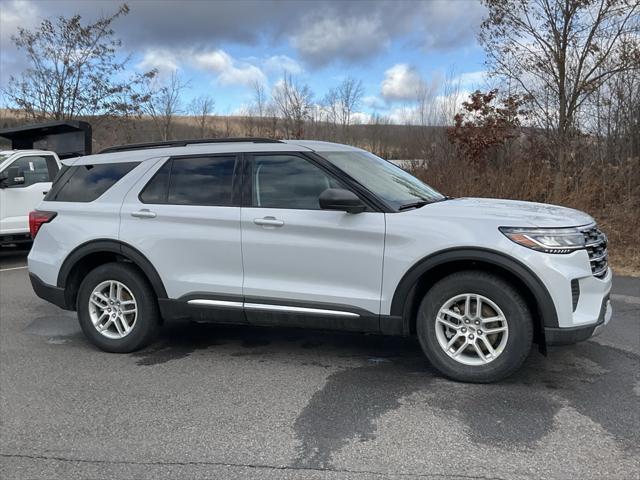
(341, 199)
(3, 179)
(14, 177)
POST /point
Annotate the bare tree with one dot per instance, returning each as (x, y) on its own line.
(293, 102)
(330, 112)
(350, 93)
(559, 52)
(202, 109)
(73, 69)
(341, 102)
(164, 103)
(259, 99)
(254, 114)
(271, 114)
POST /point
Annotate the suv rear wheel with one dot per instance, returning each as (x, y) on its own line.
(117, 308)
(475, 327)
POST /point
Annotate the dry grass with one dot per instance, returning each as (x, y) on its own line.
(610, 193)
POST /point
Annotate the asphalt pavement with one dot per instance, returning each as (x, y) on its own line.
(222, 402)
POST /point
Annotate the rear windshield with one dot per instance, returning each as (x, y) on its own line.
(85, 183)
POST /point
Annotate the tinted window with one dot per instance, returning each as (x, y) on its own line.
(33, 169)
(192, 181)
(383, 178)
(201, 181)
(157, 188)
(284, 181)
(85, 183)
(60, 174)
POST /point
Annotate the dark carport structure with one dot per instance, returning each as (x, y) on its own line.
(68, 138)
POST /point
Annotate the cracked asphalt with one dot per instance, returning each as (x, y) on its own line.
(243, 402)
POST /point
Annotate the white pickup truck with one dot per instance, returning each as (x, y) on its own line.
(25, 177)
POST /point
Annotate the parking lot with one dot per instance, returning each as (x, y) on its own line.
(244, 402)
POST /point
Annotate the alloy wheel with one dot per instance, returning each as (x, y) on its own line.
(113, 309)
(471, 329)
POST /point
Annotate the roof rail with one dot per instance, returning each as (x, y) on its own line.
(184, 143)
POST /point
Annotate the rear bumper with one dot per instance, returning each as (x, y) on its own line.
(567, 336)
(48, 292)
(14, 238)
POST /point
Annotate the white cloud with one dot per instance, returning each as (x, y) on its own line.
(282, 63)
(374, 102)
(14, 14)
(320, 41)
(404, 114)
(401, 82)
(229, 70)
(360, 118)
(440, 110)
(447, 24)
(327, 30)
(165, 61)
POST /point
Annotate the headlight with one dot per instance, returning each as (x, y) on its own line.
(549, 240)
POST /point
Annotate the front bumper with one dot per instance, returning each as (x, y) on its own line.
(580, 299)
(567, 336)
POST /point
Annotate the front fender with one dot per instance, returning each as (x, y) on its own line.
(476, 258)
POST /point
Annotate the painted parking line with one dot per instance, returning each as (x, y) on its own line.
(12, 268)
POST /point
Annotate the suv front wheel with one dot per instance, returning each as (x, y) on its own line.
(117, 308)
(475, 327)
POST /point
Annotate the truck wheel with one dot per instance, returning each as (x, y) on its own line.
(117, 308)
(474, 326)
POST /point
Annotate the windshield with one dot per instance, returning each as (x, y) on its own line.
(386, 180)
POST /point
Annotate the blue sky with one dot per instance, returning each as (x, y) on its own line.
(221, 48)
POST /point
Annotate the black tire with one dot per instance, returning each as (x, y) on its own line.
(147, 323)
(506, 297)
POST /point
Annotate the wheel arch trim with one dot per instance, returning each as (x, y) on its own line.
(111, 246)
(547, 314)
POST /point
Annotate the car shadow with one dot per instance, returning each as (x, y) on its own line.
(178, 342)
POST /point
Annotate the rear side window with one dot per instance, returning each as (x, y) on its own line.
(192, 181)
(85, 183)
(158, 187)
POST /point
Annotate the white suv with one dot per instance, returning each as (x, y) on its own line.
(318, 235)
(25, 177)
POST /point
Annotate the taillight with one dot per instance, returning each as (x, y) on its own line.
(38, 218)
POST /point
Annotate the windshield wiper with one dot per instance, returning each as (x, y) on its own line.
(421, 203)
(407, 206)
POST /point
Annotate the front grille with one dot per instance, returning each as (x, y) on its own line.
(596, 245)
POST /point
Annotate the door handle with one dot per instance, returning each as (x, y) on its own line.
(44, 193)
(268, 222)
(144, 213)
